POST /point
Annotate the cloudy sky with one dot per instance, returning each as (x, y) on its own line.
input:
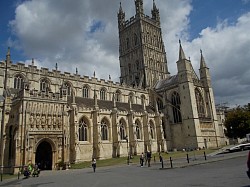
(83, 34)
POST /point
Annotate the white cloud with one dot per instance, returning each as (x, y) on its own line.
(58, 31)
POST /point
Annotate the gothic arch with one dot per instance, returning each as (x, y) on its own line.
(86, 91)
(51, 142)
(105, 129)
(45, 84)
(199, 103)
(118, 95)
(19, 80)
(67, 88)
(123, 129)
(138, 129)
(176, 107)
(103, 93)
(84, 130)
(152, 129)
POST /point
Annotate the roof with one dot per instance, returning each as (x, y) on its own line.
(164, 83)
(108, 105)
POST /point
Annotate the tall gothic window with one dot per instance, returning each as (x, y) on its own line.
(152, 131)
(160, 104)
(83, 130)
(199, 103)
(66, 89)
(103, 94)
(18, 82)
(131, 97)
(104, 131)
(137, 131)
(122, 131)
(176, 105)
(44, 85)
(118, 96)
(85, 92)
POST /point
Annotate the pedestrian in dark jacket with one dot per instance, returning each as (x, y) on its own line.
(94, 164)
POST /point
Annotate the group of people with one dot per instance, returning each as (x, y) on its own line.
(145, 157)
(31, 169)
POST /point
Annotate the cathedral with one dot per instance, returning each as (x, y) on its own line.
(48, 116)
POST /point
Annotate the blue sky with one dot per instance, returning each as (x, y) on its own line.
(206, 13)
(83, 34)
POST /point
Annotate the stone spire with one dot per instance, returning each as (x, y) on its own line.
(155, 12)
(139, 8)
(8, 55)
(202, 61)
(181, 52)
(121, 17)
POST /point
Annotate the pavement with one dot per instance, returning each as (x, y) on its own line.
(194, 159)
(157, 165)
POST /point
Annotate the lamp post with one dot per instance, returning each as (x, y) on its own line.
(127, 149)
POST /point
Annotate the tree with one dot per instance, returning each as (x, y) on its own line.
(238, 122)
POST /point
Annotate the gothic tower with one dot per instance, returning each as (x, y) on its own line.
(141, 49)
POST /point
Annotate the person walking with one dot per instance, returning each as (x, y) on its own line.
(94, 164)
(141, 159)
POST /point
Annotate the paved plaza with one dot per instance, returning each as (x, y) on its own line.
(222, 171)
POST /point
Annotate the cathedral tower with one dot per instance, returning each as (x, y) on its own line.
(141, 48)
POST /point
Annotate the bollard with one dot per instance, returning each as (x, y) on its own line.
(187, 158)
(154, 158)
(171, 162)
(205, 155)
(162, 165)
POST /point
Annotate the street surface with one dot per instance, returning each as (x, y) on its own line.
(229, 172)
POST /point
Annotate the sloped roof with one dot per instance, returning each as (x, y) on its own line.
(164, 83)
(108, 105)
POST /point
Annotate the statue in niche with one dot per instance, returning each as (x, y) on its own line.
(43, 122)
(49, 122)
(31, 121)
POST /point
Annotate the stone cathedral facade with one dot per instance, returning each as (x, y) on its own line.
(50, 116)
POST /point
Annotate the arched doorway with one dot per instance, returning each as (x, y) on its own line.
(44, 156)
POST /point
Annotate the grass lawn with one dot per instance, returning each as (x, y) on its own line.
(9, 176)
(135, 159)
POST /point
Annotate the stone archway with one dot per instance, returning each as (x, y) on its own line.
(44, 156)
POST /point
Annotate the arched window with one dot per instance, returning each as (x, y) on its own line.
(143, 99)
(66, 89)
(152, 134)
(103, 94)
(85, 92)
(44, 85)
(131, 97)
(118, 96)
(137, 131)
(83, 130)
(18, 82)
(104, 131)
(176, 105)
(160, 104)
(122, 131)
(199, 103)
